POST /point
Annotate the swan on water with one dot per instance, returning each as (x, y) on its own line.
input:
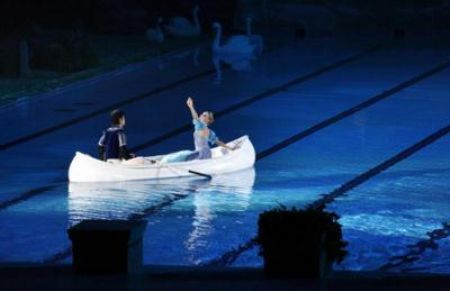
(155, 34)
(237, 44)
(182, 27)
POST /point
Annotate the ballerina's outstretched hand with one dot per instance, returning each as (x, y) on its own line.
(190, 104)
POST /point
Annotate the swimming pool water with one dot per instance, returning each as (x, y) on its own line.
(194, 221)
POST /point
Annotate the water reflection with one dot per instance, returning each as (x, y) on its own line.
(136, 199)
(241, 63)
(229, 194)
(164, 61)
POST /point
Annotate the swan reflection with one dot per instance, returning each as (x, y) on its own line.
(235, 62)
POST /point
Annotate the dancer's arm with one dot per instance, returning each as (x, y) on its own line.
(124, 153)
(101, 147)
(222, 144)
(190, 104)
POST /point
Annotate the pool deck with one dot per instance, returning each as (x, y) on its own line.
(34, 277)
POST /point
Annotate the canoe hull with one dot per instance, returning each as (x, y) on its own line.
(85, 168)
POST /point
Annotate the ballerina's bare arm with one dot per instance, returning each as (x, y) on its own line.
(190, 104)
(222, 144)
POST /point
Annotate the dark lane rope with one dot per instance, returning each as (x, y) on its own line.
(419, 248)
(352, 110)
(29, 194)
(330, 197)
(231, 256)
(237, 106)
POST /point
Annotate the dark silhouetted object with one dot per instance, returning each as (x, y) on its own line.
(299, 243)
(107, 246)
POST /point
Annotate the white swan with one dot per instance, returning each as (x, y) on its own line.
(238, 44)
(254, 39)
(180, 26)
(155, 34)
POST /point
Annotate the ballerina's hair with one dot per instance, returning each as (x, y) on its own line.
(211, 116)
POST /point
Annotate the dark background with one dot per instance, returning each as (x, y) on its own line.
(53, 35)
(133, 16)
(105, 16)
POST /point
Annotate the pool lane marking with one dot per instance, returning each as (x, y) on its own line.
(419, 248)
(267, 93)
(231, 256)
(241, 104)
(327, 122)
(29, 194)
(59, 256)
(344, 188)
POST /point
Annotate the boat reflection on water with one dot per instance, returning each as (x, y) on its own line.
(133, 199)
(229, 193)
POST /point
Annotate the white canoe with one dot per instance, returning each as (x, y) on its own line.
(85, 168)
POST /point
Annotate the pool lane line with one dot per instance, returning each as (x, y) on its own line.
(267, 93)
(336, 118)
(419, 248)
(358, 180)
(59, 256)
(29, 194)
(231, 256)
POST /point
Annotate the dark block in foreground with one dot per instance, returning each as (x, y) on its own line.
(107, 246)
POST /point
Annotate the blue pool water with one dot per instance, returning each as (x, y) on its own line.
(194, 221)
